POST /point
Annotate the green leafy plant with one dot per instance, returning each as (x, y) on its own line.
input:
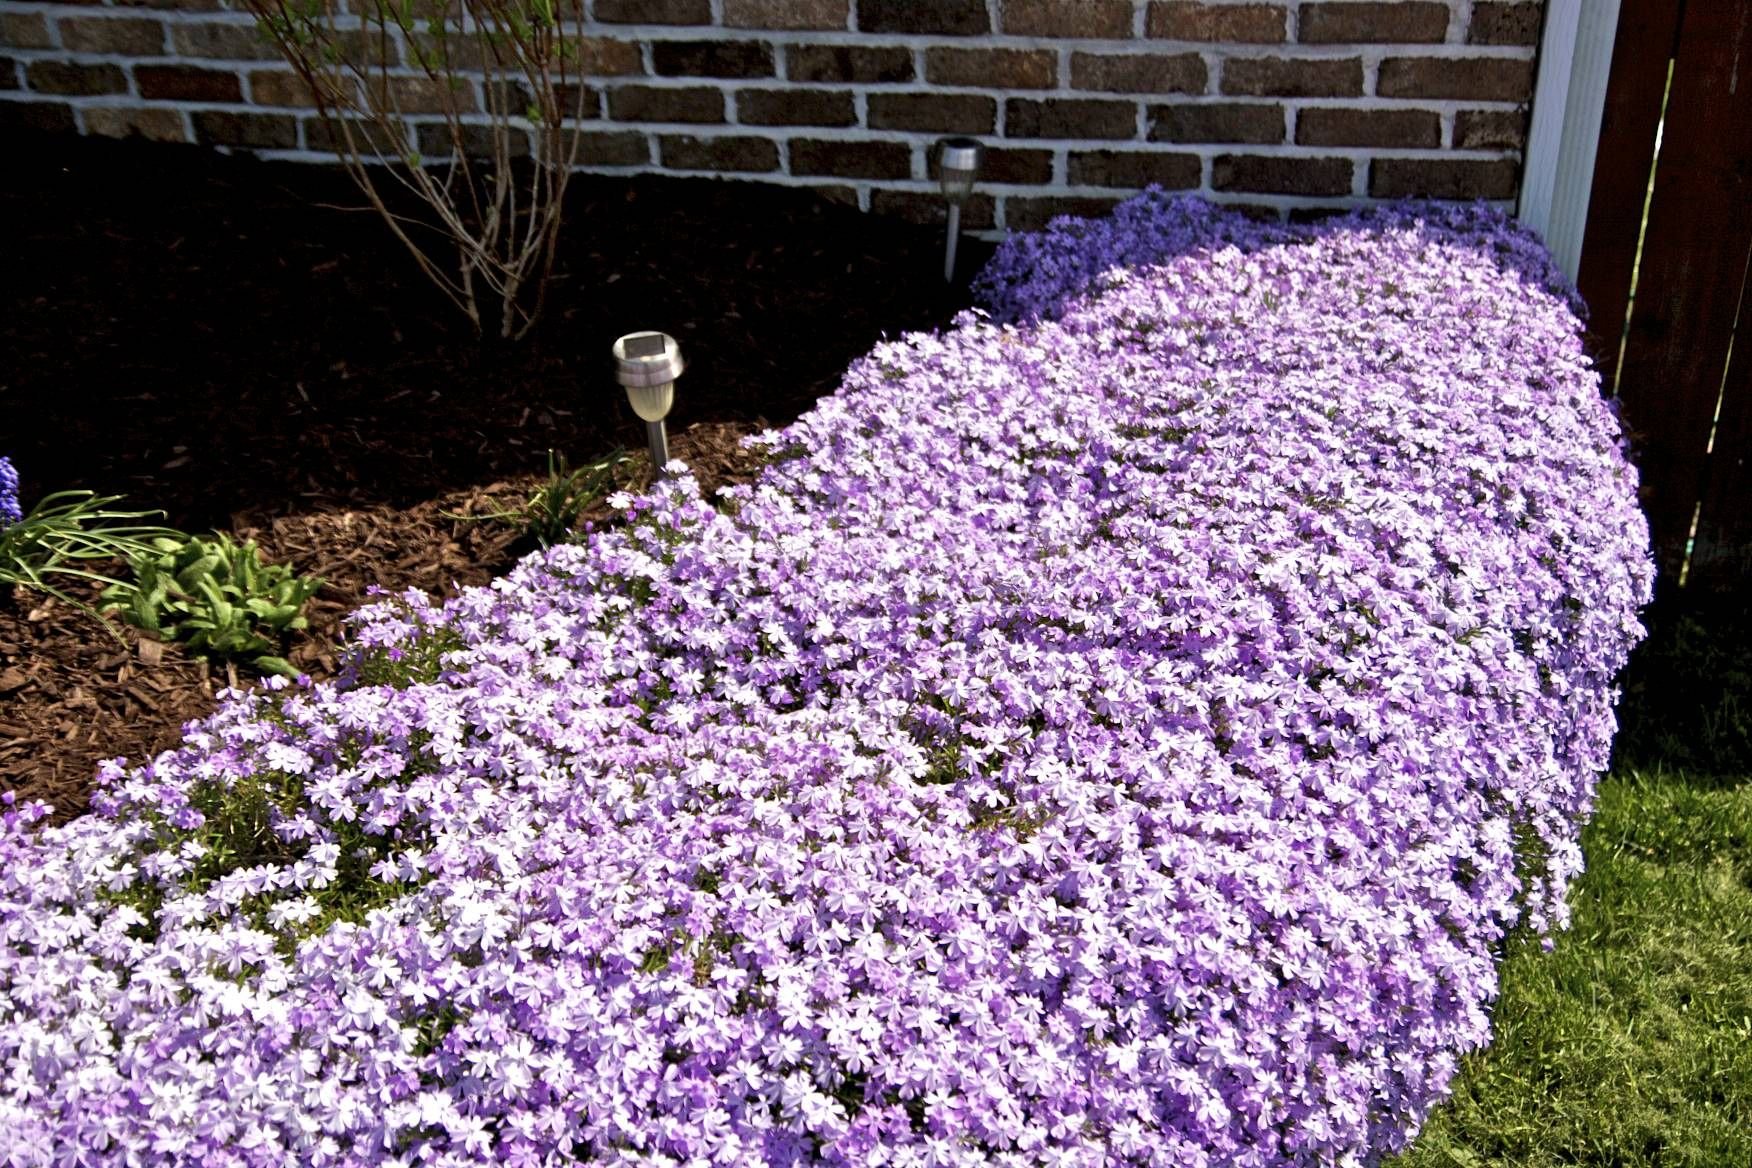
(64, 534)
(553, 509)
(216, 596)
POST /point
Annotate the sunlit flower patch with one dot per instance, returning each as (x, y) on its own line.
(1120, 736)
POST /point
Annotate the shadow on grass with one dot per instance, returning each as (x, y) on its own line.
(1687, 703)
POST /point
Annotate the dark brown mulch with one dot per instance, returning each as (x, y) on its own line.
(202, 334)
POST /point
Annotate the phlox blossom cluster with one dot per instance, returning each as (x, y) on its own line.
(1122, 735)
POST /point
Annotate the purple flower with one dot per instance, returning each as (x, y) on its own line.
(1123, 734)
(10, 512)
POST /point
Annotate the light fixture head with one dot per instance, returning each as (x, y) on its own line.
(647, 364)
(958, 164)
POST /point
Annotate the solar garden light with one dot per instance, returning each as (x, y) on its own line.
(957, 167)
(648, 364)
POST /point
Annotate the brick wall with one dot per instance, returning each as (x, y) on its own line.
(1280, 104)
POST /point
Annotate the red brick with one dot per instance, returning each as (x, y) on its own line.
(128, 36)
(750, 155)
(1505, 24)
(1106, 19)
(1139, 72)
(1348, 23)
(1218, 122)
(1134, 169)
(64, 77)
(837, 193)
(1180, 21)
(1069, 118)
(155, 125)
(256, 131)
(654, 12)
(791, 14)
(225, 41)
(369, 139)
(1468, 78)
(979, 213)
(1316, 214)
(422, 95)
(848, 63)
(1369, 127)
(1293, 76)
(1279, 175)
(1258, 212)
(601, 56)
(574, 105)
(9, 72)
(796, 107)
(25, 30)
(643, 103)
(279, 87)
(1018, 167)
(939, 17)
(604, 57)
(623, 148)
(1444, 178)
(1490, 129)
(941, 113)
(851, 159)
(182, 83)
(1032, 214)
(992, 68)
(42, 117)
(712, 59)
(436, 141)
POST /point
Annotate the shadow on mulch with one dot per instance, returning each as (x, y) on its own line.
(214, 337)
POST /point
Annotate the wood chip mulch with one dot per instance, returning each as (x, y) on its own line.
(209, 336)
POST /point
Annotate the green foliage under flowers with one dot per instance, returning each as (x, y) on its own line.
(216, 596)
(417, 661)
(553, 509)
(64, 534)
(237, 833)
(237, 829)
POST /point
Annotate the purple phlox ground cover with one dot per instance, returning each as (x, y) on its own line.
(1125, 736)
(1042, 273)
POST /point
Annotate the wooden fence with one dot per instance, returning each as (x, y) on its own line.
(1682, 79)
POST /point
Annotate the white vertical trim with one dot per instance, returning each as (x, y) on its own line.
(1575, 63)
(1557, 48)
(1589, 76)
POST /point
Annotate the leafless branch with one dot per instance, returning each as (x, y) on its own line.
(468, 63)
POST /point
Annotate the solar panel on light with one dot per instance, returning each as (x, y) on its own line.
(644, 345)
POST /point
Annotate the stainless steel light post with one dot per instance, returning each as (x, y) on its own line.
(957, 168)
(647, 364)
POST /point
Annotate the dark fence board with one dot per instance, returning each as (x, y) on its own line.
(1722, 557)
(1647, 37)
(1693, 266)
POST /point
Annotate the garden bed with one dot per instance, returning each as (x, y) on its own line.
(210, 336)
(1123, 732)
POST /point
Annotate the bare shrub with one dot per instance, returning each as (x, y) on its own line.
(471, 107)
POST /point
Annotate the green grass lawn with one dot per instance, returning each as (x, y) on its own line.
(1629, 1045)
